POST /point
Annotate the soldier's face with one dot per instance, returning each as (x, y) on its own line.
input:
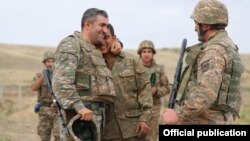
(104, 48)
(147, 55)
(49, 63)
(109, 40)
(98, 29)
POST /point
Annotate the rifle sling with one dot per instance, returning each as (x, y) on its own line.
(193, 54)
(184, 83)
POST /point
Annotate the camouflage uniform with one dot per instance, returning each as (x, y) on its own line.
(162, 85)
(133, 101)
(81, 77)
(162, 90)
(48, 120)
(211, 81)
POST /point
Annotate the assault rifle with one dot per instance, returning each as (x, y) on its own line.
(177, 76)
(48, 75)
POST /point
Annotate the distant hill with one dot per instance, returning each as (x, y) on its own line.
(21, 57)
(19, 63)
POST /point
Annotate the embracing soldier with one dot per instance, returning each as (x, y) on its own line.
(81, 81)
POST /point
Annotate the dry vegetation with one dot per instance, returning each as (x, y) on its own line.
(18, 64)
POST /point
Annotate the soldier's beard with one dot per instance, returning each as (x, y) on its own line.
(49, 67)
(98, 45)
(201, 34)
(200, 38)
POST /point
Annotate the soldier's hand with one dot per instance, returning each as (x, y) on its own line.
(169, 116)
(116, 48)
(142, 129)
(86, 114)
(153, 90)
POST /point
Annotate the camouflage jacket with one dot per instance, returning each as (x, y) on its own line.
(211, 80)
(161, 82)
(133, 100)
(44, 96)
(80, 74)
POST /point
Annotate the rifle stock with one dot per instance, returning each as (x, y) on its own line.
(48, 75)
(177, 76)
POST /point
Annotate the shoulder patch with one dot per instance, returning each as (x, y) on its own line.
(205, 66)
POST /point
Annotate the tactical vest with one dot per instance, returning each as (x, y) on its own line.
(229, 98)
(92, 77)
(44, 96)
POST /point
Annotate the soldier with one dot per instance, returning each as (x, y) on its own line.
(210, 85)
(159, 87)
(81, 81)
(130, 115)
(48, 120)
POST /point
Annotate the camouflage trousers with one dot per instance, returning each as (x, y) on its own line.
(48, 124)
(154, 124)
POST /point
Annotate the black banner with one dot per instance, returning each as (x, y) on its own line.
(201, 132)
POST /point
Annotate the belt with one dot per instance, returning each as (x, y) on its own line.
(94, 105)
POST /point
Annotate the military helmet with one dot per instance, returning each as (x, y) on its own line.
(146, 44)
(48, 55)
(210, 12)
(82, 130)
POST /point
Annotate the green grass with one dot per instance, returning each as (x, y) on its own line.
(4, 137)
(244, 114)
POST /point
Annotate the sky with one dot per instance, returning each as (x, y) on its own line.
(165, 22)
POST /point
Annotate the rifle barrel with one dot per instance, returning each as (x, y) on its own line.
(177, 76)
(48, 74)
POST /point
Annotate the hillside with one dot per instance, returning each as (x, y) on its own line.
(18, 64)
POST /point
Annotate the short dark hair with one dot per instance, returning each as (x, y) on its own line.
(91, 14)
(111, 29)
(218, 26)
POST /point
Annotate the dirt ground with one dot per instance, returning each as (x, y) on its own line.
(18, 121)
